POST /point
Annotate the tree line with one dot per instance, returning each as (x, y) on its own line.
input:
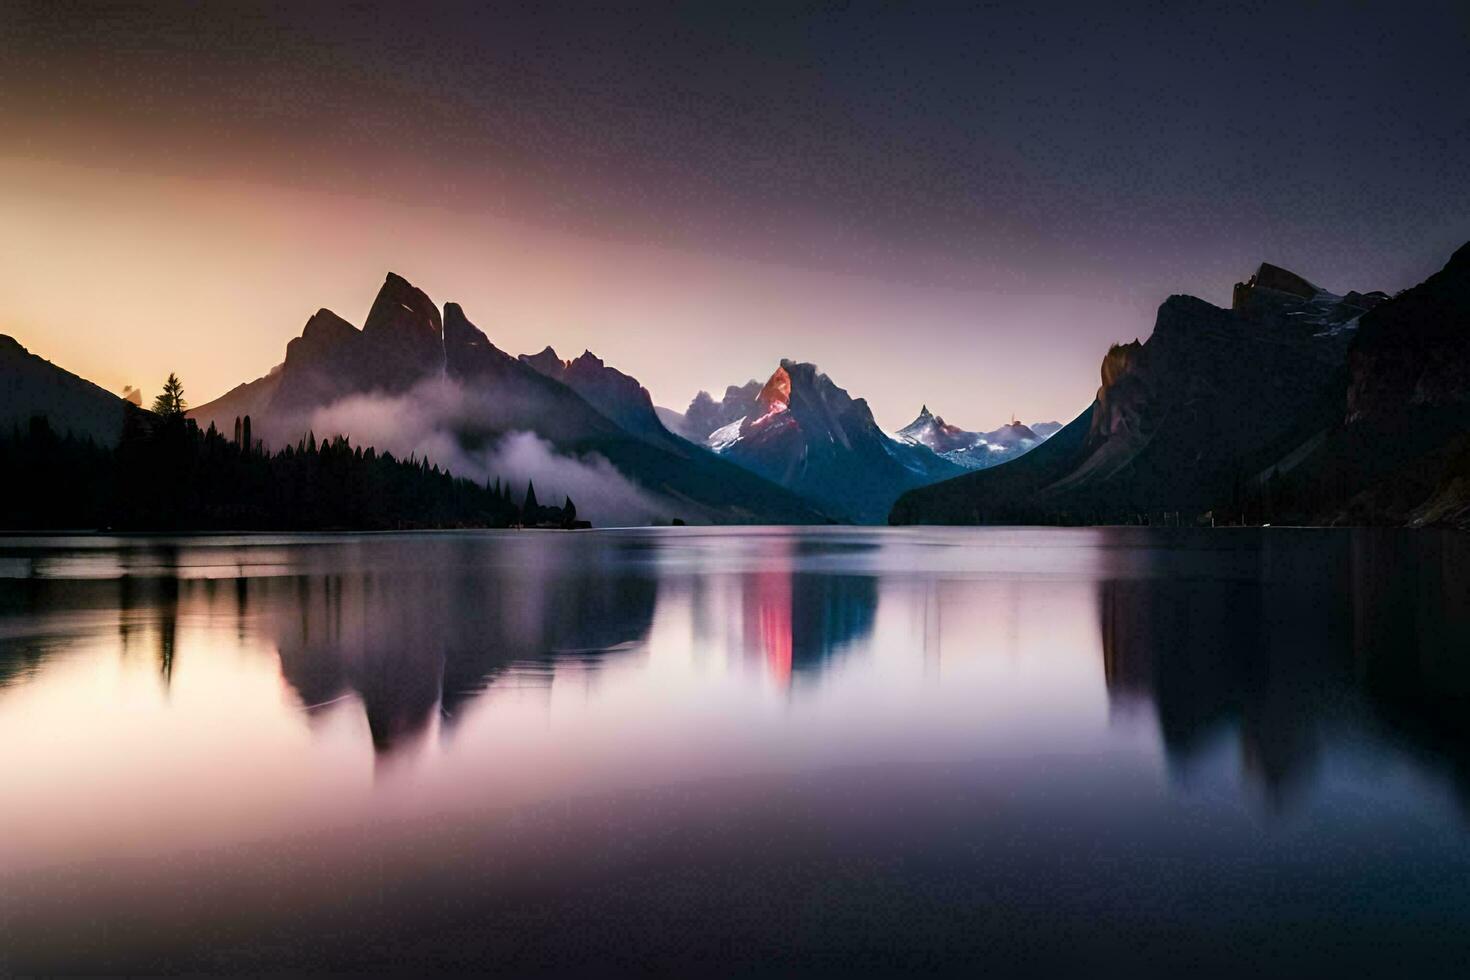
(168, 474)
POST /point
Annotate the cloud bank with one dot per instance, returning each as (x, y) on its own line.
(433, 419)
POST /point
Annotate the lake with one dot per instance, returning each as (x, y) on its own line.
(753, 751)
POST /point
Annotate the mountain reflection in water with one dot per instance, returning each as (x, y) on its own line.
(916, 748)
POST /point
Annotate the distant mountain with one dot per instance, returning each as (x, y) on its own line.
(1191, 421)
(931, 430)
(33, 386)
(616, 395)
(973, 450)
(705, 415)
(676, 423)
(802, 431)
(405, 343)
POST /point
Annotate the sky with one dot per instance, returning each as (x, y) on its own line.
(958, 206)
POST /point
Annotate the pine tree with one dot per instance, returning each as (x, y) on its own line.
(170, 402)
(530, 505)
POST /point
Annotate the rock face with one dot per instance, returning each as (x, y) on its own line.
(1415, 350)
(1270, 283)
(401, 343)
(406, 343)
(705, 415)
(32, 386)
(617, 395)
(402, 315)
(1401, 454)
(1181, 422)
(804, 432)
(507, 395)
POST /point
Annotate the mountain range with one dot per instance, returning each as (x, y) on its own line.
(975, 450)
(1296, 404)
(466, 395)
(796, 448)
(415, 379)
(799, 429)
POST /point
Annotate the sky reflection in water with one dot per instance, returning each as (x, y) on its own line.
(819, 749)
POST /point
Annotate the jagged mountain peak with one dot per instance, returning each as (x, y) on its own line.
(402, 308)
(593, 409)
(547, 361)
(326, 327)
(802, 430)
(1268, 276)
(1186, 417)
(776, 395)
(616, 395)
(466, 347)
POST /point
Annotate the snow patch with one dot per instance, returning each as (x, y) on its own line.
(726, 435)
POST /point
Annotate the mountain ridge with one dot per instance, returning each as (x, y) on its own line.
(802, 431)
(406, 343)
(1294, 403)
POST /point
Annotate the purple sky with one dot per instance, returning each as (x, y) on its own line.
(962, 208)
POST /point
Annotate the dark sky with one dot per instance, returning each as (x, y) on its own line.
(958, 205)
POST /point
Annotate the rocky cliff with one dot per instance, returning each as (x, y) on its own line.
(1215, 405)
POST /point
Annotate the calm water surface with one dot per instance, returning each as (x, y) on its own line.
(760, 751)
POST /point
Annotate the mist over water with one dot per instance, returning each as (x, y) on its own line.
(820, 750)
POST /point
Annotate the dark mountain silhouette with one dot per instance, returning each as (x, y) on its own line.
(1398, 451)
(802, 431)
(72, 406)
(616, 395)
(1296, 404)
(405, 343)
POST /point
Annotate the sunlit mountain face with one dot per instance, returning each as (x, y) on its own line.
(802, 431)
